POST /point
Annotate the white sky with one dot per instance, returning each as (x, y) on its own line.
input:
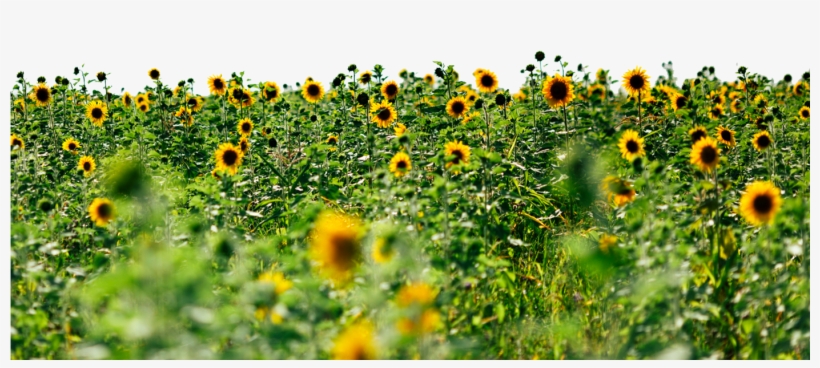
(287, 41)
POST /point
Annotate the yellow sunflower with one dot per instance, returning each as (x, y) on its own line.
(313, 91)
(271, 91)
(335, 244)
(469, 117)
(717, 98)
(96, 112)
(486, 81)
(558, 90)
(144, 107)
(631, 145)
(383, 113)
(601, 75)
(399, 129)
(762, 140)
(678, 101)
(142, 99)
(400, 164)
(101, 211)
(697, 133)
(185, 115)
(617, 191)
(381, 252)
(277, 279)
(153, 73)
(800, 88)
(716, 112)
(228, 157)
(705, 154)
(195, 103)
(390, 90)
(87, 165)
(760, 203)
(429, 79)
(736, 106)
(636, 81)
(245, 127)
(805, 113)
(332, 141)
(597, 90)
(457, 107)
(607, 242)
(459, 151)
(17, 141)
(71, 145)
(239, 96)
(726, 136)
(41, 94)
(217, 85)
(365, 77)
(355, 343)
(244, 145)
(127, 100)
(413, 297)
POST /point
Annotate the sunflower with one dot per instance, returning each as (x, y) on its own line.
(457, 107)
(313, 91)
(87, 165)
(601, 75)
(185, 116)
(558, 90)
(697, 133)
(618, 191)
(176, 90)
(399, 129)
(280, 284)
(705, 154)
(800, 88)
(143, 107)
(332, 141)
(383, 113)
(245, 127)
(217, 85)
(459, 151)
(400, 164)
(717, 98)
(726, 136)
(365, 77)
(142, 99)
(390, 90)
(678, 101)
(805, 113)
(631, 145)
(486, 81)
(239, 96)
(762, 140)
(271, 91)
(228, 157)
(382, 253)
(101, 211)
(760, 203)
(636, 81)
(429, 79)
(761, 102)
(607, 242)
(195, 102)
(215, 174)
(153, 73)
(519, 96)
(70, 145)
(127, 100)
(334, 244)
(716, 112)
(736, 106)
(244, 145)
(427, 321)
(96, 112)
(469, 117)
(17, 141)
(355, 343)
(597, 90)
(412, 297)
(41, 94)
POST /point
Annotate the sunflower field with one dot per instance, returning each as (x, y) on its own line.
(587, 215)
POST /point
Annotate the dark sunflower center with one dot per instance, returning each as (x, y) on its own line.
(698, 135)
(346, 250)
(471, 97)
(237, 94)
(625, 191)
(96, 113)
(154, 74)
(762, 204)
(313, 90)
(192, 102)
(384, 114)
(243, 145)
(680, 102)
(401, 164)
(366, 78)
(763, 141)
(632, 146)
(87, 166)
(804, 113)
(246, 127)
(17, 143)
(392, 89)
(726, 135)
(558, 90)
(716, 99)
(487, 80)
(270, 93)
(708, 155)
(72, 146)
(42, 95)
(716, 112)
(331, 140)
(246, 96)
(141, 100)
(127, 100)
(459, 156)
(219, 84)
(143, 107)
(230, 157)
(636, 81)
(458, 107)
(104, 210)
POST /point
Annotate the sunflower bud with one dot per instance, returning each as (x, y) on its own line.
(539, 56)
(41, 79)
(530, 68)
(418, 89)
(711, 70)
(363, 99)
(64, 81)
(181, 83)
(351, 68)
(479, 103)
(272, 142)
(313, 118)
(76, 70)
(557, 58)
(439, 73)
(580, 67)
(741, 70)
(45, 205)
(20, 74)
(787, 78)
(500, 100)
(337, 82)
(101, 76)
(806, 76)
(58, 80)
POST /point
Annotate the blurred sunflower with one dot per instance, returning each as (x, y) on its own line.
(271, 91)
(277, 279)
(726, 136)
(617, 191)
(244, 144)
(736, 106)
(390, 90)
(142, 99)
(382, 253)
(244, 127)
(127, 100)
(365, 77)
(215, 174)
(332, 141)
(153, 73)
(678, 101)
(459, 151)
(417, 293)
(800, 88)
(519, 96)
(228, 157)
(558, 90)
(143, 107)
(597, 90)
(486, 81)
(87, 165)
(469, 117)
(457, 107)
(96, 112)
(335, 245)
(716, 112)
(417, 298)
(636, 81)
(607, 242)
(217, 85)
(471, 96)
(313, 91)
(762, 140)
(17, 141)
(101, 211)
(70, 145)
(239, 96)
(429, 79)
(705, 154)
(195, 103)
(383, 113)
(41, 94)
(355, 343)
(761, 102)
(717, 98)
(805, 113)
(631, 145)
(760, 203)
(400, 164)
(399, 129)
(601, 75)
(697, 133)
(185, 116)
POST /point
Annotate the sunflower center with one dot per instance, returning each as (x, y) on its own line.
(87, 166)
(726, 135)
(459, 156)
(763, 141)
(698, 135)
(558, 91)
(243, 145)
(219, 84)
(391, 89)
(104, 210)
(401, 165)
(762, 204)
(384, 114)
(246, 96)
(632, 146)
(246, 127)
(680, 102)
(154, 74)
(270, 93)
(96, 113)
(313, 90)
(42, 95)
(716, 99)
(331, 140)
(230, 157)
(804, 113)
(17, 143)
(72, 146)
(636, 81)
(127, 100)
(458, 107)
(191, 102)
(345, 247)
(625, 191)
(716, 112)
(708, 155)
(487, 80)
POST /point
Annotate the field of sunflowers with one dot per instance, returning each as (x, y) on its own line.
(591, 214)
